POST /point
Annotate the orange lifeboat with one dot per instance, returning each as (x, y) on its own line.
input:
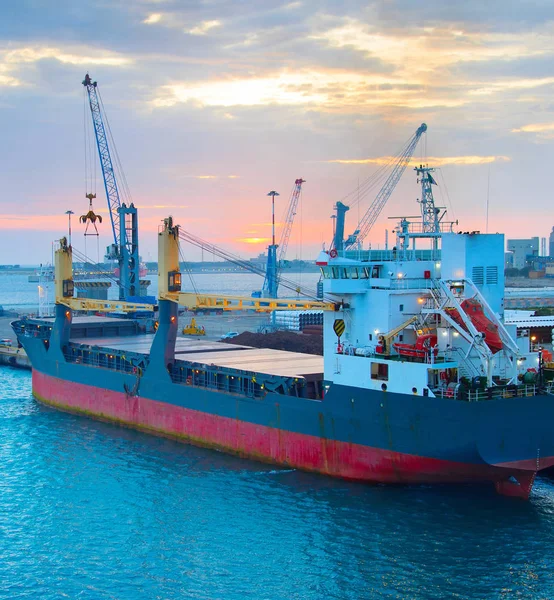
(474, 310)
(425, 344)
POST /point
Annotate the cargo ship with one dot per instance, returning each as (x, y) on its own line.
(420, 382)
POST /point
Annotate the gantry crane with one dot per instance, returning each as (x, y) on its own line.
(372, 214)
(124, 219)
(270, 287)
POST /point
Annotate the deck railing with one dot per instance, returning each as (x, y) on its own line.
(217, 381)
(26, 329)
(101, 359)
(492, 393)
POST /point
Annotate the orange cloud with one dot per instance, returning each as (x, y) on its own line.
(434, 161)
(254, 240)
(543, 131)
(35, 222)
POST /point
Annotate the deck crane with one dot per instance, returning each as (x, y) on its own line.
(372, 214)
(124, 219)
(274, 259)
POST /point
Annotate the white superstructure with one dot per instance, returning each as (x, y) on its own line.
(421, 321)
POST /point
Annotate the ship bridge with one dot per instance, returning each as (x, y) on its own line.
(390, 255)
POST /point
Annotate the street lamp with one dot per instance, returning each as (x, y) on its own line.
(69, 213)
(334, 217)
(273, 193)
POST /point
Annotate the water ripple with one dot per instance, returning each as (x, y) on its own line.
(94, 511)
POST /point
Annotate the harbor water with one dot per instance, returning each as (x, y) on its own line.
(93, 510)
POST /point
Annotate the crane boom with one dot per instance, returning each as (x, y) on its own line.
(110, 182)
(372, 214)
(274, 265)
(124, 219)
(289, 220)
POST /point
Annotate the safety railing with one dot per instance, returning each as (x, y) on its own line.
(100, 359)
(217, 381)
(25, 329)
(492, 393)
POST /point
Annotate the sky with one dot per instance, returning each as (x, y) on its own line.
(214, 103)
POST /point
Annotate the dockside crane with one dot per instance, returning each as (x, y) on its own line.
(275, 258)
(124, 219)
(372, 214)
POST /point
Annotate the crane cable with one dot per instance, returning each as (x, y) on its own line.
(188, 271)
(373, 180)
(244, 264)
(94, 268)
(118, 165)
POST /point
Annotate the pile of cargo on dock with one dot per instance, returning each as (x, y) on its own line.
(281, 340)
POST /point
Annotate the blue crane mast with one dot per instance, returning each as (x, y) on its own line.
(124, 219)
(270, 287)
(372, 214)
(429, 212)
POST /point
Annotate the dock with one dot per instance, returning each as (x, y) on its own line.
(14, 357)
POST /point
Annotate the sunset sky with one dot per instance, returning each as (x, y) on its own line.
(214, 103)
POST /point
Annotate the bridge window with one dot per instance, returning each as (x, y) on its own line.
(380, 371)
(364, 273)
(344, 273)
(325, 272)
(375, 274)
(334, 272)
(354, 272)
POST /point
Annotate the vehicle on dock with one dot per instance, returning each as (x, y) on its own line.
(193, 329)
(229, 335)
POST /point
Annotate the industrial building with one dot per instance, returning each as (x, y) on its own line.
(523, 252)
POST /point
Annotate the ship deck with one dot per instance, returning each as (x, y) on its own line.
(259, 360)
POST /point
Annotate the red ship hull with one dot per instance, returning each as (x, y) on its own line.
(270, 444)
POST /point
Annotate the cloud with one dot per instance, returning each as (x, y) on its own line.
(433, 161)
(153, 18)
(7, 80)
(504, 85)
(421, 50)
(204, 27)
(324, 90)
(254, 240)
(535, 128)
(75, 56)
(14, 61)
(34, 222)
(541, 131)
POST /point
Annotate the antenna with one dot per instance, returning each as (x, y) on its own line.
(487, 207)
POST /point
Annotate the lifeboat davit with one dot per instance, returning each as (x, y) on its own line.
(474, 310)
(425, 344)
